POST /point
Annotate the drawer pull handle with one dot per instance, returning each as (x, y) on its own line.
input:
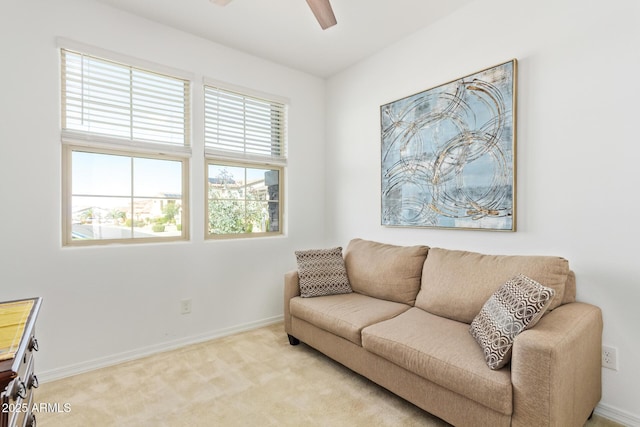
(33, 345)
(33, 382)
(21, 391)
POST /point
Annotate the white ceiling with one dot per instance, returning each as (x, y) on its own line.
(286, 32)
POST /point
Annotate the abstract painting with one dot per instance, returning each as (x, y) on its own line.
(448, 154)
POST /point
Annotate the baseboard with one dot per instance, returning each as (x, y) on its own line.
(617, 415)
(114, 359)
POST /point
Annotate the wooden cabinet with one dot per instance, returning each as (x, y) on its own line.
(18, 344)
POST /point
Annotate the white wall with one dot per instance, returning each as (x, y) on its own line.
(577, 147)
(102, 304)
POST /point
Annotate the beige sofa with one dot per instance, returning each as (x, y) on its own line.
(405, 326)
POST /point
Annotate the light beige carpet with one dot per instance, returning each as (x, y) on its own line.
(253, 378)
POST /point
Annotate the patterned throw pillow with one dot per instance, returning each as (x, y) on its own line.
(322, 272)
(515, 306)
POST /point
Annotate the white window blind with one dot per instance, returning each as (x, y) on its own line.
(117, 103)
(244, 127)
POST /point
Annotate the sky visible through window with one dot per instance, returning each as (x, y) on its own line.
(110, 175)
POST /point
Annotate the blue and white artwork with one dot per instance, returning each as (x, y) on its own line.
(448, 154)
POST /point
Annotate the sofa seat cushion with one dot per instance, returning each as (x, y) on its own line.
(442, 351)
(345, 315)
(456, 284)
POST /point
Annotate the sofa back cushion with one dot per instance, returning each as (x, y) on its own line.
(385, 271)
(456, 284)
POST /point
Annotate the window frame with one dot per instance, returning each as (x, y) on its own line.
(100, 143)
(246, 165)
(67, 196)
(239, 158)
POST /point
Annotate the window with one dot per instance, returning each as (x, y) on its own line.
(245, 158)
(125, 138)
(243, 200)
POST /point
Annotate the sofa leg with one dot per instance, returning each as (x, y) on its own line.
(293, 340)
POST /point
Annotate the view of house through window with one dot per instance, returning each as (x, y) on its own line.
(243, 200)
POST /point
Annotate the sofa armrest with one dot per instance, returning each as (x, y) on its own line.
(291, 290)
(556, 368)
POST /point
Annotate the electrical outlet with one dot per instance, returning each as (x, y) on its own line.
(610, 357)
(185, 306)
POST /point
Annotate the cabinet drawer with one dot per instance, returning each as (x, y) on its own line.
(24, 417)
(17, 379)
(18, 396)
(12, 401)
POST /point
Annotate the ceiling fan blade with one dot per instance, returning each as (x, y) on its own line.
(323, 12)
(221, 2)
